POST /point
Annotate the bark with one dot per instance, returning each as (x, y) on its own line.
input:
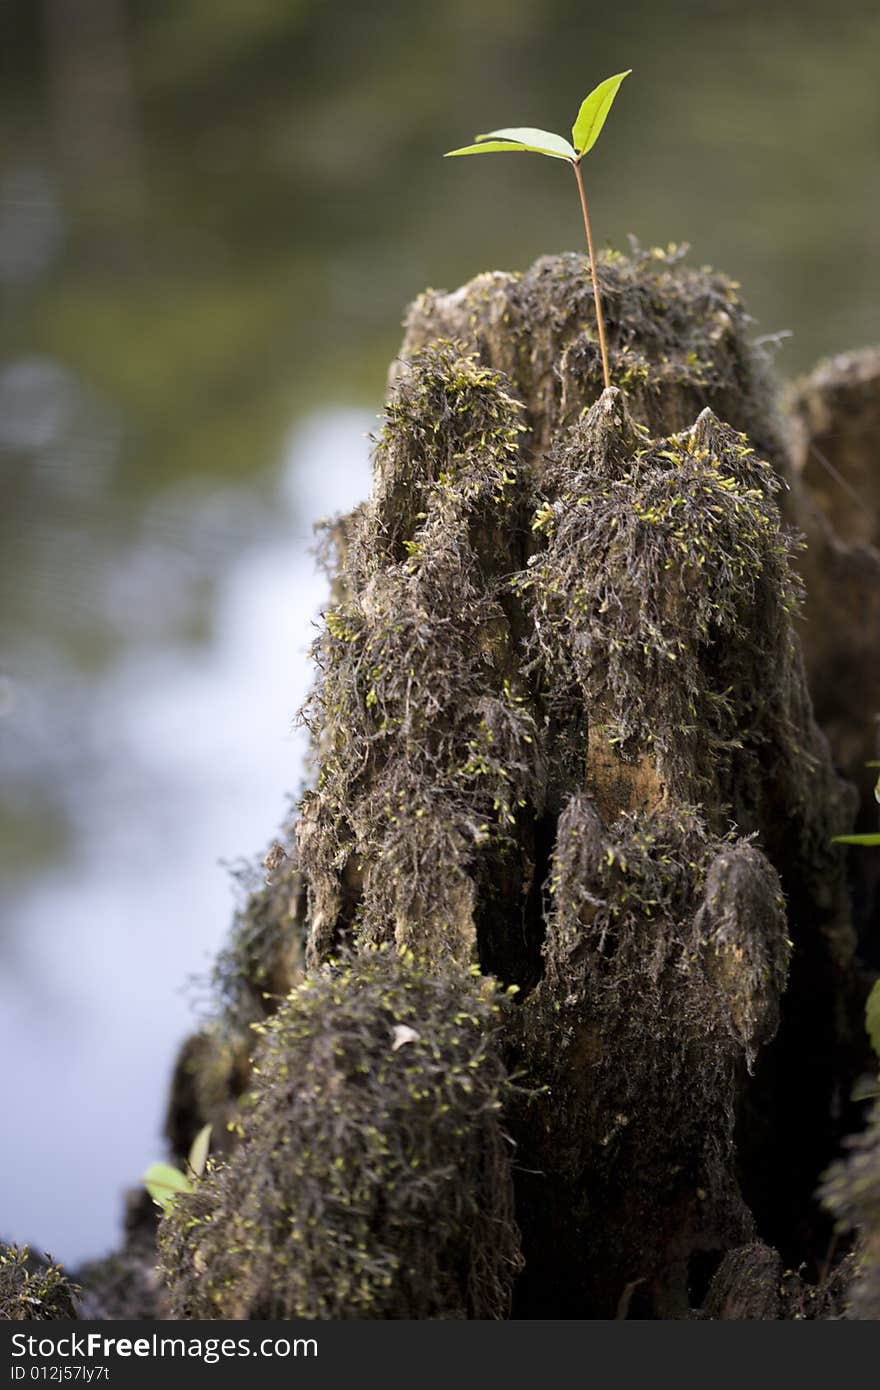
(835, 414)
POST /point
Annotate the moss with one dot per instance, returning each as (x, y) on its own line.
(562, 735)
(751, 1283)
(428, 751)
(374, 1177)
(851, 1192)
(34, 1289)
(678, 340)
(747, 1286)
(666, 955)
(663, 588)
(211, 1074)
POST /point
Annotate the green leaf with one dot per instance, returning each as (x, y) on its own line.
(594, 109)
(198, 1154)
(164, 1183)
(872, 1017)
(534, 139)
(856, 840)
(498, 147)
(491, 147)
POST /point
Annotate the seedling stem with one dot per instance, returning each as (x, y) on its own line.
(600, 317)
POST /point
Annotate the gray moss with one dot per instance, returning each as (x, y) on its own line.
(373, 1178)
(211, 1074)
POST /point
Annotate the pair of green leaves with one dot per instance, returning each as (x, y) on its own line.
(165, 1183)
(529, 140)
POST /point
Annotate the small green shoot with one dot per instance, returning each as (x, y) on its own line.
(165, 1183)
(585, 132)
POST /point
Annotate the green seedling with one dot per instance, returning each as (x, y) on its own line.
(585, 132)
(165, 1183)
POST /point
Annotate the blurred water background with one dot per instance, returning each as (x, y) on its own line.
(212, 214)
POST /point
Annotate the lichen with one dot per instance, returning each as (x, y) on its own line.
(373, 1178)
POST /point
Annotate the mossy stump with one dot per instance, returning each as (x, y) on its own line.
(564, 742)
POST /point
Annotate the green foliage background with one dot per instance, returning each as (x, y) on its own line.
(282, 196)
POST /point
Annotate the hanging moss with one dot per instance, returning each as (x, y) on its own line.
(373, 1179)
(33, 1289)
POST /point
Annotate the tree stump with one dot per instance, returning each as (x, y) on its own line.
(565, 743)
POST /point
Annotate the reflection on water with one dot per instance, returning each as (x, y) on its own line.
(172, 759)
(212, 213)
